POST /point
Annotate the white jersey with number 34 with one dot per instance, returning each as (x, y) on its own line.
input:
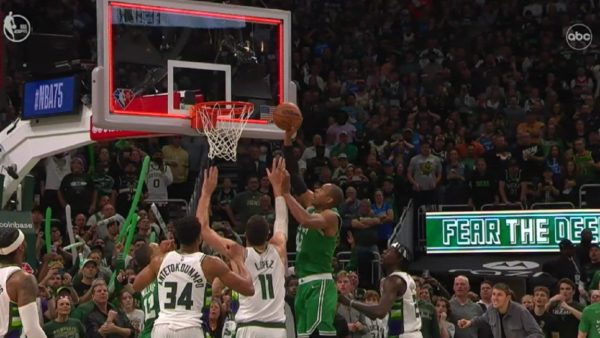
(268, 273)
(181, 288)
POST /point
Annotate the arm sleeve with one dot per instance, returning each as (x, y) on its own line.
(31, 321)
(291, 164)
(281, 216)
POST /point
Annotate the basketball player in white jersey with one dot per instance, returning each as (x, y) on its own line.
(398, 297)
(261, 315)
(182, 277)
(18, 290)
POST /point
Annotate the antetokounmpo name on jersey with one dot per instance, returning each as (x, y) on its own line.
(197, 279)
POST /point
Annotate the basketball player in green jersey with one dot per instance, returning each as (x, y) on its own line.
(316, 240)
(398, 297)
(150, 305)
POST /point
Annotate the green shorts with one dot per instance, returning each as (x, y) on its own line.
(147, 330)
(316, 305)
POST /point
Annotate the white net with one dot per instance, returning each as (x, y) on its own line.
(224, 133)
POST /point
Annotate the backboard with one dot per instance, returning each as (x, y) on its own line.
(156, 58)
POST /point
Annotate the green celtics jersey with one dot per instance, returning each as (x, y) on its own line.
(150, 308)
(314, 250)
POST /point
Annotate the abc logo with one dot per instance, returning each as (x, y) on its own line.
(579, 36)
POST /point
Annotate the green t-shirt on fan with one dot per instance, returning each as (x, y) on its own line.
(589, 321)
(72, 328)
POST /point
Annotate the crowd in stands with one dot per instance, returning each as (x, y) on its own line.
(456, 102)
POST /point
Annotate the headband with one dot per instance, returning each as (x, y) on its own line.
(14, 246)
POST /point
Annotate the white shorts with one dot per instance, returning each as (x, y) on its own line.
(416, 334)
(260, 332)
(166, 331)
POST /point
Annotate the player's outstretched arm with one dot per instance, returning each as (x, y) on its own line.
(241, 281)
(280, 181)
(299, 188)
(326, 220)
(392, 287)
(209, 184)
(25, 288)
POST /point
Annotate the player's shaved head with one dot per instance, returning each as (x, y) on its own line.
(336, 193)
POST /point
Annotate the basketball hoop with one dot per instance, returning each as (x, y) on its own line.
(223, 123)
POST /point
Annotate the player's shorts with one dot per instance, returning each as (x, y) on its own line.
(166, 331)
(261, 330)
(316, 305)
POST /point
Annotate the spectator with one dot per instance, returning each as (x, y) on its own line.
(505, 315)
(344, 148)
(135, 316)
(582, 251)
(77, 190)
(355, 319)
(246, 203)
(62, 325)
(107, 212)
(365, 236)
(317, 145)
(340, 126)
(527, 302)
(125, 187)
(442, 308)
(424, 173)
(592, 269)
(158, 179)
(485, 295)
(547, 322)
(461, 307)
(429, 320)
(251, 166)
(483, 185)
(512, 187)
(105, 321)
(89, 273)
(178, 160)
(55, 168)
(455, 173)
(565, 309)
(385, 212)
(588, 326)
(565, 266)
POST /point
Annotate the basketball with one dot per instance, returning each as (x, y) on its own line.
(287, 115)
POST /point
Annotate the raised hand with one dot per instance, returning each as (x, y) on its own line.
(211, 178)
(167, 246)
(277, 175)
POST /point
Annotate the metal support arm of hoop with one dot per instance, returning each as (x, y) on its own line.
(223, 123)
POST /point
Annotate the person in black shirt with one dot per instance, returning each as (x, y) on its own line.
(529, 155)
(565, 266)
(124, 188)
(78, 190)
(497, 159)
(483, 185)
(547, 321)
(512, 188)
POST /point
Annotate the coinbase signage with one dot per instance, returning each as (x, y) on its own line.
(507, 231)
(50, 98)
